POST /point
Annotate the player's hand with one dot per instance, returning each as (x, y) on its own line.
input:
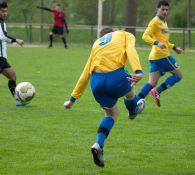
(161, 45)
(19, 42)
(178, 50)
(68, 104)
(135, 78)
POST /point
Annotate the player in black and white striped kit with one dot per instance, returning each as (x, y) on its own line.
(5, 67)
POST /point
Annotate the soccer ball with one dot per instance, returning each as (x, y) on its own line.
(25, 91)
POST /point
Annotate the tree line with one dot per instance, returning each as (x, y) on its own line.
(115, 12)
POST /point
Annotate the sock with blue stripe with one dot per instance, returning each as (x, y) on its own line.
(104, 129)
(145, 90)
(170, 81)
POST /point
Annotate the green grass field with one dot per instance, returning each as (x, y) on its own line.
(46, 139)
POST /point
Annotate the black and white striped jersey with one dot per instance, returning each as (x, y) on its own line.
(4, 38)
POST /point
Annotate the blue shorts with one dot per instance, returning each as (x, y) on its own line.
(163, 65)
(108, 87)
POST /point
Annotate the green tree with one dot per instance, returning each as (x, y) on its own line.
(84, 12)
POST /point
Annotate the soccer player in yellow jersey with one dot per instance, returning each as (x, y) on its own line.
(157, 34)
(109, 81)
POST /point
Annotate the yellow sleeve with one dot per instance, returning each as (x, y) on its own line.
(170, 45)
(83, 80)
(132, 53)
(151, 29)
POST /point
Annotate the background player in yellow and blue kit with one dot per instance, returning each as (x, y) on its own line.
(109, 81)
(157, 34)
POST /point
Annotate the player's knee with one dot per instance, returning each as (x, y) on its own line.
(115, 114)
(10, 74)
(12, 77)
(130, 95)
(153, 83)
(180, 77)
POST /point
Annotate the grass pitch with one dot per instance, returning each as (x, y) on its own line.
(44, 138)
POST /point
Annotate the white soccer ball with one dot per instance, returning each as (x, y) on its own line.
(25, 91)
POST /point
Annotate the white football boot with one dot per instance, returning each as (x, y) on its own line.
(19, 102)
(98, 157)
(141, 104)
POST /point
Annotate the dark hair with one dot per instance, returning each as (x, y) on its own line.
(3, 5)
(162, 3)
(105, 31)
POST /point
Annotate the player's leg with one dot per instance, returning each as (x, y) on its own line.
(169, 65)
(64, 41)
(7, 71)
(133, 104)
(104, 129)
(152, 82)
(154, 75)
(170, 81)
(10, 74)
(100, 88)
(60, 32)
(50, 39)
(106, 124)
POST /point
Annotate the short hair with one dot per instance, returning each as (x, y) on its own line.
(105, 31)
(162, 3)
(3, 5)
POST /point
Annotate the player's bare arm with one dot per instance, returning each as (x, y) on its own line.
(135, 78)
(19, 42)
(161, 45)
(178, 50)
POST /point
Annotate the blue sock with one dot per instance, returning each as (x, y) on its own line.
(145, 90)
(104, 129)
(170, 81)
(131, 104)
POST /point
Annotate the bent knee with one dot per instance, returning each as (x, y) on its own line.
(180, 76)
(114, 114)
(153, 83)
(130, 96)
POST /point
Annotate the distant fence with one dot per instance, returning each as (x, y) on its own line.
(87, 34)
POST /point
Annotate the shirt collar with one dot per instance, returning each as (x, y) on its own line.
(164, 20)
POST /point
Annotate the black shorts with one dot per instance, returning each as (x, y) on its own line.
(3, 64)
(58, 30)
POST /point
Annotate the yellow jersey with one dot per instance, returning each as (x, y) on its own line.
(109, 53)
(158, 31)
